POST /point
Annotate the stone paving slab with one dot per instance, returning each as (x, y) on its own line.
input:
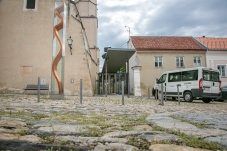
(166, 147)
(115, 146)
(218, 121)
(209, 134)
(89, 140)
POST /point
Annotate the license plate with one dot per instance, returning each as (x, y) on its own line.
(207, 89)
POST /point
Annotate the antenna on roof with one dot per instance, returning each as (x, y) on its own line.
(129, 31)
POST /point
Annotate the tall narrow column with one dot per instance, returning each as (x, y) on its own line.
(136, 73)
(58, 50)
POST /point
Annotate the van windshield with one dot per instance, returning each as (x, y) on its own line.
(162, 79)
(210, 76)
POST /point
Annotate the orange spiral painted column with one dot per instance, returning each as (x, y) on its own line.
(58, 57)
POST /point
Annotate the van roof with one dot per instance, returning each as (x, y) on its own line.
(186, 69)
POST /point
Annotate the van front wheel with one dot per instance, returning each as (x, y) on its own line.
(188, 97)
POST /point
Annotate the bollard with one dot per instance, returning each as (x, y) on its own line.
(81, 91)
(156, 94)
(178, 93)
(161, 103)
(165, 93)
(122, 92)
(149, 93)
(38, 89)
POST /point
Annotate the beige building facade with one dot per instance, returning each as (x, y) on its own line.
(27, 44)
(152, 60)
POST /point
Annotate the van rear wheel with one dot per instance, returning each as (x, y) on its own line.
(188, 97)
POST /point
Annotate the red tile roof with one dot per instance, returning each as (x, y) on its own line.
(214, 43)
(165, 43)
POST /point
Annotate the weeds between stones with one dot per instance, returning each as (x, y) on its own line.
(191, 141)
(199, 125)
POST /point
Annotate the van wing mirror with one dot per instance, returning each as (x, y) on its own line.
(157, 81)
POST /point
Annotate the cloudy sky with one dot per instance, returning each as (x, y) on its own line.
(159, 18)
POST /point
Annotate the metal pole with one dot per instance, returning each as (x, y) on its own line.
(128, 81)
(156, 94)
(161, 103)
(165, 92)
(122, 92)
(148, 93)
(106, 80)
(178, 93)
(81, 91)
(38, 89)
(162, 94)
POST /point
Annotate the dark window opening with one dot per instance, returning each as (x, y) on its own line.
(30, 4)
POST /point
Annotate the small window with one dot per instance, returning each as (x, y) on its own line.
(197, 62)
(222, 69)
(180, 62)
(30, 4)
(158, 61)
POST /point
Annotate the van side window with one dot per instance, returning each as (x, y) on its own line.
(162, 78)
(190, 75)
(174, 77)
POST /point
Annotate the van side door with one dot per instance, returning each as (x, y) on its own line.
(173, 80)
(190, 79)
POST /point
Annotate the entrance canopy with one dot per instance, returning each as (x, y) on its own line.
(115, 58)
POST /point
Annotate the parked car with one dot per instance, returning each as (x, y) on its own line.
(223, 96)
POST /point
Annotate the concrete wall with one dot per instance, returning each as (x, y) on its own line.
(26, 38)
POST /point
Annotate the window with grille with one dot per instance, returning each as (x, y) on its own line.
(197, 62)
(222, 69)
(180, 62)
(158, 62)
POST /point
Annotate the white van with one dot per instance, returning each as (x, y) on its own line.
(195, 83)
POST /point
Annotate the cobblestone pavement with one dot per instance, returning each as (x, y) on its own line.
(101, 123)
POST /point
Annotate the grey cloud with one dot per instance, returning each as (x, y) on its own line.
(163, 17)
(177, 14)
